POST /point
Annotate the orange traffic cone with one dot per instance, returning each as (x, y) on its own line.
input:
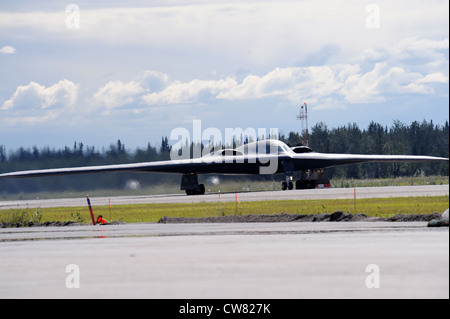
(101, 221)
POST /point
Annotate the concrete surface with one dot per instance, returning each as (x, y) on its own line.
(282, 260)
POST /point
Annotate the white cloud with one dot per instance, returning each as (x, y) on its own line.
(117, 93)
(325, 87)
(30, 120)
(342, 83)
(36, 97)
(8, 50)
(436, 77)
(383, 82)
(264, 53)
(276, 82)
(424, 84)
(189, 92)
(422, 44)
(256, 32)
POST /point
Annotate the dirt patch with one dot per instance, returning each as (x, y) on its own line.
(337, 216)
(286, 218)
(48, 224)
(32, 224)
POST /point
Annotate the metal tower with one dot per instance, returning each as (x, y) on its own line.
(303, 117)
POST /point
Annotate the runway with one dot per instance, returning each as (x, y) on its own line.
(227, 261)
(311, 194)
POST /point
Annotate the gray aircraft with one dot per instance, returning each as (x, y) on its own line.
(262, 157)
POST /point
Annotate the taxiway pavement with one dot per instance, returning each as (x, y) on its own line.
(229, 261)
(329, 193)
(268, 260)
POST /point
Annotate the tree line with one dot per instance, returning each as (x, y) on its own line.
(418, 138)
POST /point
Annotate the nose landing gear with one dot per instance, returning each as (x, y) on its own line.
(288, 168)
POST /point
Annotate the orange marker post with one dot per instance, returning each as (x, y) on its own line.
(90, 209)
(237, 199)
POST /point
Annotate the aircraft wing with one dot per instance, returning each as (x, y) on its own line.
(181, 166)
(322, 160)
(262, 157)
(231, 164)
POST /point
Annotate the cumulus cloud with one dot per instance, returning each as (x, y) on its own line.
(8, 50)
(330, 86)
(117, 93)
(326, 87)
(411, 51)
(194, 91)
(342, 83)
(35, 96)
(155, 88)
(437, 77)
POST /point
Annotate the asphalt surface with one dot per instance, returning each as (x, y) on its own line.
(330, 193)
(229, 261)
(280, 260)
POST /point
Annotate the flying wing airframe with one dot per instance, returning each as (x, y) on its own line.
(262, 157)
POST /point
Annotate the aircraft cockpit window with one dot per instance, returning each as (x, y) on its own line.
(231, 153)
(282, 149)
(264, 147)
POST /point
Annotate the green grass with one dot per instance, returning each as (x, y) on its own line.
(399, 181)
(379, 207)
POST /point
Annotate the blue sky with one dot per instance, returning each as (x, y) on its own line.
(137, 71)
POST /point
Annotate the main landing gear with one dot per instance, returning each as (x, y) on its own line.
(300, 184)
(189, 183)
(316, 178)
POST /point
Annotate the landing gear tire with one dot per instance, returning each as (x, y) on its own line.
(285, 186)
(200, 190)
(311, 185)
(189, 183)
(304, 184)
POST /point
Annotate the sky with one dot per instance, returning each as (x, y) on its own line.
(99, 71)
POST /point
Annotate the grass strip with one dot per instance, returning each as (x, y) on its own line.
(376, 207)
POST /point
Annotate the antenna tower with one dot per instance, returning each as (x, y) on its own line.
(303, 117)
